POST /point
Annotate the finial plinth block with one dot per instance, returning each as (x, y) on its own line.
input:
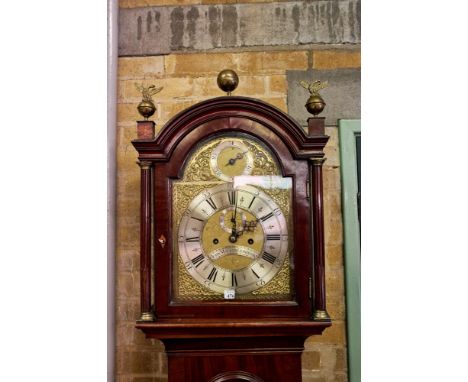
(316, 126)
(145, 129)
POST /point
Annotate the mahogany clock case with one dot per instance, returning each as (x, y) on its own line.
(168, 153)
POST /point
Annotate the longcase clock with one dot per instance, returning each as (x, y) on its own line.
(232, 244)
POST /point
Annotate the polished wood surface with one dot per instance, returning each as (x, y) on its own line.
(235, 340)
(230, 328)
(300, 144)
(316, 126)
(297, 169)
(271, 359)
(145, 236)
(318, 234)
(145, 129)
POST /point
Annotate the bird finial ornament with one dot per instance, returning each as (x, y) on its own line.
(146, 107)
(314, 87)
(315, 104)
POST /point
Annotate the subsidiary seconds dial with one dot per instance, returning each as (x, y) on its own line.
(231, 157)
(233, 238)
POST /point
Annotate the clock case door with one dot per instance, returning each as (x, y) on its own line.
(168, 154)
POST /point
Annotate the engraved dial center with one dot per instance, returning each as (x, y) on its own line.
(224, 254)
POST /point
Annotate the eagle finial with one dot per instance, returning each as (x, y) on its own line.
(148, 92)
(147, 107)
(314, 87)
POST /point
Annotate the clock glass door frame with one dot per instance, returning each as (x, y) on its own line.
(167, 172)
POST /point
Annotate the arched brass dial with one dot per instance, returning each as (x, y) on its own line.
(233, 238)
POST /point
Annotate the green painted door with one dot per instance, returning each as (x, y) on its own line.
(350, 157)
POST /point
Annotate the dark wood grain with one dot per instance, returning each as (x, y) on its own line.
(230, 328)
(316, 127)
(233, 339)
(145, 236)
(280, 124)
(261, 359)
(235, 376)
(318, 234)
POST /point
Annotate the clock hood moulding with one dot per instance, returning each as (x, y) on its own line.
(301, 145)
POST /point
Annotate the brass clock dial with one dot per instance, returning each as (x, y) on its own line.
(231, 223)
(233, 238)
(231, 157)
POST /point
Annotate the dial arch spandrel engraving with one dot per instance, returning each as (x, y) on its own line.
(200, 165)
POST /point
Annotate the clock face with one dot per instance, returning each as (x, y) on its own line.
(232, 220)
(231, 157)
(233, 238)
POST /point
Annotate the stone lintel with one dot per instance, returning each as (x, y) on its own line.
(162, 30)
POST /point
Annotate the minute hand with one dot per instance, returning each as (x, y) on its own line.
(234, 215)
(234, 234)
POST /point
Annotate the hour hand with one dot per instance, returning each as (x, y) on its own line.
(232, 161)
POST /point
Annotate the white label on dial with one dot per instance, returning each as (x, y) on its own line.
(229, 294)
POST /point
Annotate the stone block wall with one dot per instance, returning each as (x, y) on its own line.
(189, 77)
(160, 29)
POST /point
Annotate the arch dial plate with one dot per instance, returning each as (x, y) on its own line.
(232, 224)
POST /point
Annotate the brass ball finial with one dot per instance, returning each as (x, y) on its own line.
(315, 104)
(228, 80)
(146, 109)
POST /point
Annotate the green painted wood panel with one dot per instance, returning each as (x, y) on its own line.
(348, 130)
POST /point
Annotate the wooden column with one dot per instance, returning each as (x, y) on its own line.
(317, 127)
(145, 242)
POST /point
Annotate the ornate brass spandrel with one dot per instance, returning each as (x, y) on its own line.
(198, 166)
(183, 193)
(264, 164)
(282, 199)
(189, 289)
